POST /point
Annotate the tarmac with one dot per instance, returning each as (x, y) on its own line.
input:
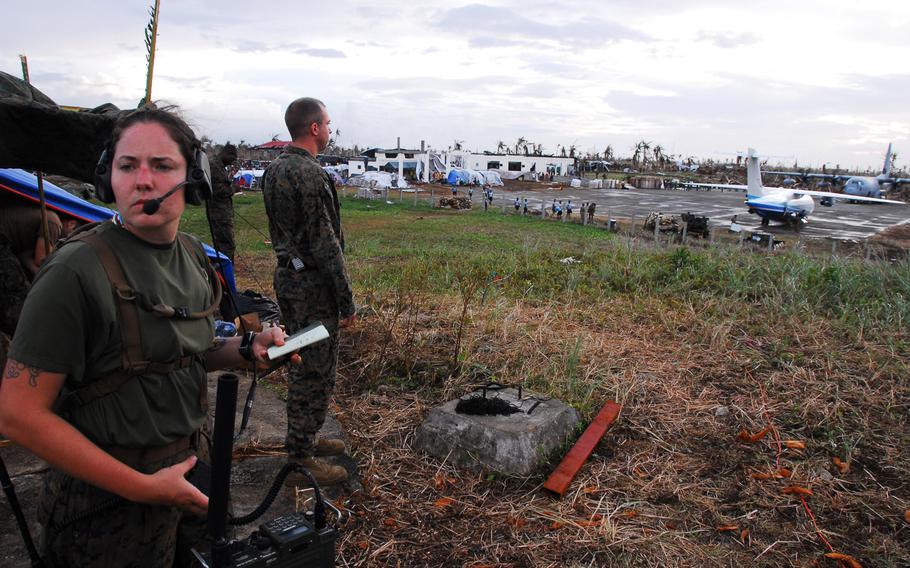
(842, 221)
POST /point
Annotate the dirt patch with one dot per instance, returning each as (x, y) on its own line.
(894, 240)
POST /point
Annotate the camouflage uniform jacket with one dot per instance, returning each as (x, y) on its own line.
(304, 220)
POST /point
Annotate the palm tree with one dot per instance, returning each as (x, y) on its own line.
(562, 150)
(572, 151)
(645, 149)
(659, 157)
(457, 144)
(608, 153)
(519, 143)
(500, 147)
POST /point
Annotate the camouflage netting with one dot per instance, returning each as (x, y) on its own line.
(38, 135)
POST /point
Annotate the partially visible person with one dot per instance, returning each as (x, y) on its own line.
(22, 251)
(106, 376)
(311, 280)
(221, 206)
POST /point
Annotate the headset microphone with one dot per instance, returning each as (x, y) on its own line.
(151, 206)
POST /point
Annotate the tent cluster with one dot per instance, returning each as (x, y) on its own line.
(463, 176)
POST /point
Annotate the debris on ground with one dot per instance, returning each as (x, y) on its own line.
(696, 225)
(666, 223)
(455, 202)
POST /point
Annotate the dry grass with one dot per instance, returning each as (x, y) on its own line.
(670, 484)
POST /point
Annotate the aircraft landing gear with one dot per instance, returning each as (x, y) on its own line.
(764, 222)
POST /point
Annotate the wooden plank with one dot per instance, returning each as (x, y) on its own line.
(563, 475)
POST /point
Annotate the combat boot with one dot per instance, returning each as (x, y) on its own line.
(327, 447)
(324, 473)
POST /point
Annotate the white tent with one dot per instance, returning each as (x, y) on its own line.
(372, 180)
(491, 178)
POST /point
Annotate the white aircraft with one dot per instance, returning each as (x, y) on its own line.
(862, 186)
(790, 206)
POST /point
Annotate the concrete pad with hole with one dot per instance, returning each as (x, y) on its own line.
(515, 444)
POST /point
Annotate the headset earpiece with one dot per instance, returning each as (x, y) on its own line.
(199, 179)
(103, 190)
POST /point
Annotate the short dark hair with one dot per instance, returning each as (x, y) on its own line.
(228, 152)
(167, 117)
(301, 114)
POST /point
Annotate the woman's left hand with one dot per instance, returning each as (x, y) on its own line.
(266, 338)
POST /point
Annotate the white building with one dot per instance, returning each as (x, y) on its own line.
(511, 163)
(421, 163)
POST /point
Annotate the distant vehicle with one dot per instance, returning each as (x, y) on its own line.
(788, 205)
(861, 186)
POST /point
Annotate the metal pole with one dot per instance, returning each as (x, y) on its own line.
(39, 176)
(153, 40)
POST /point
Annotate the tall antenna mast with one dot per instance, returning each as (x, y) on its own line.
(151, 37)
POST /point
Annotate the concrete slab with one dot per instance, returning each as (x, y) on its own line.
(514, 444)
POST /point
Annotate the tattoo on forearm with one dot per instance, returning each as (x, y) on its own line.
(15, 369)
(218, 344)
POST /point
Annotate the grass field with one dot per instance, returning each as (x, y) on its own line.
(742, 376)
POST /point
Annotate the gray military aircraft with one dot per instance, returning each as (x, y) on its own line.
(860, 186)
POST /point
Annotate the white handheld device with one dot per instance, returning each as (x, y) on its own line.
(306, 336)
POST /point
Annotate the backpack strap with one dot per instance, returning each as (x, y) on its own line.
(127, 302)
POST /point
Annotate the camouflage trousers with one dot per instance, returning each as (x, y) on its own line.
(115, 532)
(304, 299)
(222, 219)
(14, 285)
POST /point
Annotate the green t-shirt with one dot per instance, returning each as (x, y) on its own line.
(69, 325)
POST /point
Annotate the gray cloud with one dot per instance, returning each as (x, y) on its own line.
(302, 49)
(727, 40)
(487, 26)
(316, 52)
(192, 82)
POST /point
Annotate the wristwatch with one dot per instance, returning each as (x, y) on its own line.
(246, 345)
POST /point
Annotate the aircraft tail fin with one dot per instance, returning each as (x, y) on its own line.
(886, 169)
(753, 174)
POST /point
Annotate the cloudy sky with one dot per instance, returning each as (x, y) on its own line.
(813, 81)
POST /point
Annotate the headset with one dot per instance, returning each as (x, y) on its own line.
(198, 182)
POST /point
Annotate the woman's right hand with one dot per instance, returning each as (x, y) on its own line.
(169, 486)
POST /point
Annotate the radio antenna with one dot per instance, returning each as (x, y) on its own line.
(151, 36)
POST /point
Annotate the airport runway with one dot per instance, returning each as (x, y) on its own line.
(842, 221)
